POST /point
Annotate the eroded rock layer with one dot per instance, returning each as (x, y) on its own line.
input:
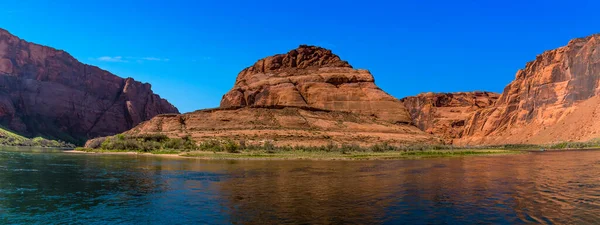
(285, 126)
(313, 77)
(44, 91)
(551, 100)
(445, 114)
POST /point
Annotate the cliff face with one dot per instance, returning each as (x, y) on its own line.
(44, 91)
(313, 77)
(446, 114)
(308, 97)
(552, 99)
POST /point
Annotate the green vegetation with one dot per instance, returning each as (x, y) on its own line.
(8, 138)
(592, 144)
(595, 143)
(143, 143)
(230, 149)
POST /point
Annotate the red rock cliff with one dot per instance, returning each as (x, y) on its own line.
(445, 114)
(554, 98)
(44, 91)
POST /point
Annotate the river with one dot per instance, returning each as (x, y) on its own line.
(51, 187)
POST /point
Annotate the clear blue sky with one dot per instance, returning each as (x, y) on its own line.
(191, 51)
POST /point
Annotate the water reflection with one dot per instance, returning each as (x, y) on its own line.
(543, 188)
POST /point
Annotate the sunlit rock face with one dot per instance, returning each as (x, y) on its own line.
(554, 98)
(445, 114)
(313, 77)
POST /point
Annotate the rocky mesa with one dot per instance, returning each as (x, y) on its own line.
(46, 92)
(308, 96)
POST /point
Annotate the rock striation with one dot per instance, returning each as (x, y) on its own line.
(313, 77)
(552, 99)
(446, 114)
(47, 92)
(285, 126)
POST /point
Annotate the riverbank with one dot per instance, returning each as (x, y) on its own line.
(301, 155)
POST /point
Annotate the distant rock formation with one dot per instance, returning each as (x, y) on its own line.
(47, 92)
(307, 97)
(446, 114)
(313, 77)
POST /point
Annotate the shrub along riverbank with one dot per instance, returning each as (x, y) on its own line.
(230, 149)
(9, 138)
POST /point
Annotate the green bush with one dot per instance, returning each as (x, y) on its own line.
(331, 146)
(174, 144)
(149, 146)
(189, 144)
(269, 147)
(152, 137)
(230, 146)
(145, 143)
(210, 145)
(381, 147)
(347, 148)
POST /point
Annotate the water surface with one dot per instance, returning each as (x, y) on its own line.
(51, 187)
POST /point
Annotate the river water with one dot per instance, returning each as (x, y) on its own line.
(51, 187)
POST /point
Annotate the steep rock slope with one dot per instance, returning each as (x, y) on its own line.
(44, 91)
(445, 114)
(551, 100)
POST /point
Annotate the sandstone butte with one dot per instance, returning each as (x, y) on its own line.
(47, 92)
(308, 96)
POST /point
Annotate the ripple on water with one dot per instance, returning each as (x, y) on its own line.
(24, 170)
(62, 165)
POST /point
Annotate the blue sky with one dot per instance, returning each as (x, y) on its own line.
(191, 51)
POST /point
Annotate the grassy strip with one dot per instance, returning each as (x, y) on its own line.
(9, 138)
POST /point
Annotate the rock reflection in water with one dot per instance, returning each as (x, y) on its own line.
(56, 188)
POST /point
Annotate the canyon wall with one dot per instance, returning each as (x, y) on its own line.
(46, 92)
